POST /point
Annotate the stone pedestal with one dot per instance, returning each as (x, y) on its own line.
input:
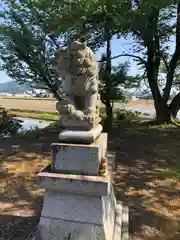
(77, 136)
(78, 203)
(79, 158)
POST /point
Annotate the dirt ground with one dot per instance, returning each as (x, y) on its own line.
(146, 179)
(46, 106)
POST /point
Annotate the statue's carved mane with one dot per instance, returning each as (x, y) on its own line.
(77, 63)
(78, 67)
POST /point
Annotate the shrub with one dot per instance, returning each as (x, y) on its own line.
(124, 114)
(119, 115)
(8, 124)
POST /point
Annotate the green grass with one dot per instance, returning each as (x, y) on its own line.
(167, 173)
(49, 116)
(119, 115)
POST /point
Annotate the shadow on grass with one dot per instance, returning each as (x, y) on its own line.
(15, 226)
(21, 200)
(147, 179)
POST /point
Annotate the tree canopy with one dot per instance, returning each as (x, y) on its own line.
(31, 32)
(26, 49)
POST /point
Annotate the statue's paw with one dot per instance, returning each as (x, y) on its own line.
(79, 114)
(61, 107)
(90, 117)
(90, 112)
(70, 108)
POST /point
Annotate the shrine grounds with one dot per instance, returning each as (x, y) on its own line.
(147, 178)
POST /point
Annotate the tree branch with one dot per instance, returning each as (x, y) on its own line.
(152, 73)
(174, 60)
(137, 2)
(165, 61)
(48, 34)
(52, 38)
(127, 55)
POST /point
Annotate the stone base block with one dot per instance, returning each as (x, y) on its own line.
(81, 159)
(76, 217)
(78, 208)
(71, 183)
(75, 136)
(53, 229)
(86, 231)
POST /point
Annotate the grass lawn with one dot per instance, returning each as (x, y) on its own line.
(48, 116)
(147, 179)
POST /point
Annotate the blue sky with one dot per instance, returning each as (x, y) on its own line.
(118, 46)
(121, 46)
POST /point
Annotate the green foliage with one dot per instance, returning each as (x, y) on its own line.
(120, 115)
(34, 133)
(31, 32)
(116, 79)
(113, 83)
(8, 124)
(169, 173)
(26, 50)
(124, 114)
(79, 19)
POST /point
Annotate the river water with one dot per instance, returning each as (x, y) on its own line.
(144, 109)
(29, 123)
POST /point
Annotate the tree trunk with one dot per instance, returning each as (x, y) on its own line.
(162, 112)
(174, 111)
(108, 83)
(109, 115)
(175, 105)
(56, 95)
(53, 88)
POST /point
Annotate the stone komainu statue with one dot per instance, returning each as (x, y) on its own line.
(78, 68)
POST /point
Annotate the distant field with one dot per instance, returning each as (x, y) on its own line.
(49, 105)
(27, 98)
(30, 104)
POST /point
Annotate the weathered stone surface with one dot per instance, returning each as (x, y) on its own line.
(118, 222)
(78, 216)
(78, 67)
(78, 207)
(58, 229)
(73, 207)
(77, 184)
(125, 223)
(75, 136)
(79, 158)
(72, 123)
(86, 231)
